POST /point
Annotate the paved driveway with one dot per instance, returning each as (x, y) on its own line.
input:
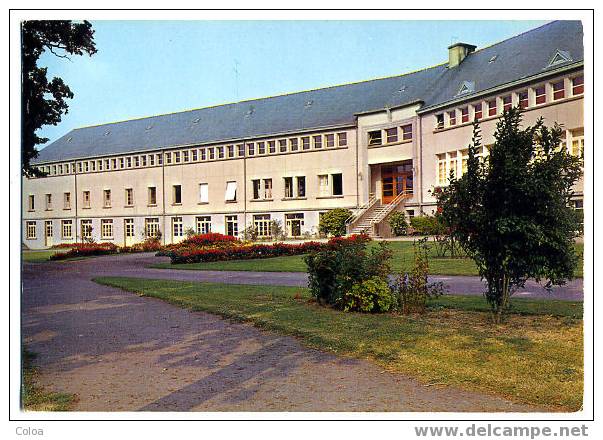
(119, 352)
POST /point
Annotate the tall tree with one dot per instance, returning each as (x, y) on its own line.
(511, 212)
(43, 101)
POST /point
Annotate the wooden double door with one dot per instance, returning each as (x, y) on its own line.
(396, 179)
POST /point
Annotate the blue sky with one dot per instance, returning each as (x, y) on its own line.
(144, 68)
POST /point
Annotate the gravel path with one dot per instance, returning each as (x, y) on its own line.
(121, 352)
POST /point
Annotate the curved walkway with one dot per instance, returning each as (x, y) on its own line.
(121, 352)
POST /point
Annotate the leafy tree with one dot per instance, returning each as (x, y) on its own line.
(333, 222)
(397, 223)
(43, 101)
(511, 212)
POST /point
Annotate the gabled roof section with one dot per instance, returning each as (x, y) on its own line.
(520, 57)
(295, 112)
(541, 50)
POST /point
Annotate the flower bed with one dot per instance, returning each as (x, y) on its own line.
(86, 249)
(185, 253)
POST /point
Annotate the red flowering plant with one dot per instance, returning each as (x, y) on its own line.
(86, 249)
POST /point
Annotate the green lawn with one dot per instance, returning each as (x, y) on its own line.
(534, 357)
(37, 256)
(402, 260)
(35, 398)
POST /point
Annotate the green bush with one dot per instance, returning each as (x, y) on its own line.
(428, 225)
(333, 222)
(397, 223)
(336, 268)
(372, 295)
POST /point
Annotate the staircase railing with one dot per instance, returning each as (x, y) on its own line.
(349, 223)
(391, 206)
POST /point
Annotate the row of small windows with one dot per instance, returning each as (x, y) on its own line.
(390, 135)
(249, 149)
(294, 187)
(456, 161)
(526, 98)
(203, 225)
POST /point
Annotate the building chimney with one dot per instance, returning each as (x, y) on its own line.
(457, 53)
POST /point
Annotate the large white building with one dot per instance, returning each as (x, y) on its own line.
(373, 146)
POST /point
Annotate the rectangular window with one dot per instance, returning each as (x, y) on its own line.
(177, 230)
(251, 149)
(66, 230)
(203, 224)
(578, 85)
(293, 144)
(540, 94)
(176, 156)
(337, 184)
(136, 161)
(282, 145)
(86, 167)
(86, 199)
(152, 196)
(129, 162)
(523, 99)
(194, 155)
(271, 147)
(577, 147)
(30, 230)
(203, 154)
(230, 151)
(330, 140)
(439, 121)
(294, 223)
(342, 139)
(129, 197)
(492, 107)
(121, 162)
(232, 225)
(301, 186)
(66, 200)
(241, 150)
(464, 161)
(391, 135)
(60, 169)
(86, 229)
(210, 152)
(107, 198)
(79, 167)
(48, 202)
(558, 90)
(220, 152)
(151, 227)
(317, 141)
(305, 143)
(107, 164)
(268, 189)
(143, 160)
(107, 229)
(176, 194)
(464, 114)
(507, 103)
(262, 223)
(114, 164)
(442, 178)
(288, 187)
(323, 185)
(203, 193)
(231, 192)
(452, 118)
(92, 167)
(374, 138)
(152, 160)
(256, 183)
(407, 132)
(129, 227)
(261, 148)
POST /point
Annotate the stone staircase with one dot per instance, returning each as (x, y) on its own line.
(371, 214)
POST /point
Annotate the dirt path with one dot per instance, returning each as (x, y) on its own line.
(121, 352)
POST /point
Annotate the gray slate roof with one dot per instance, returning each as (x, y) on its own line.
(519, 57)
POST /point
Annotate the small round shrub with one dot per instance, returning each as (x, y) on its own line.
(397, 223)
(371, 295)
(333, 222)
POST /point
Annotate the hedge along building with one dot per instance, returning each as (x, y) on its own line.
(373, 147)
